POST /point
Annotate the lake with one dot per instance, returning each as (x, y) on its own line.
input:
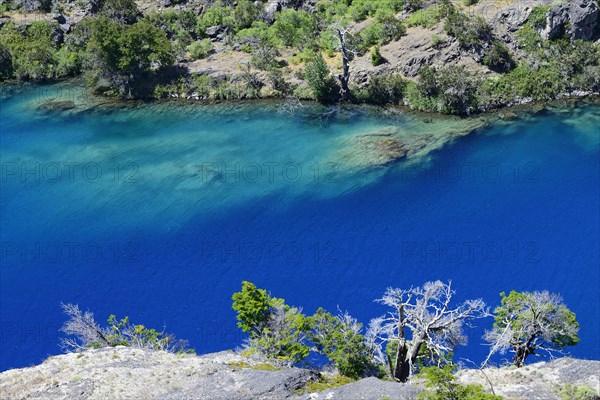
(159, 211)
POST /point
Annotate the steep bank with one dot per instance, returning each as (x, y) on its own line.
(127, 373)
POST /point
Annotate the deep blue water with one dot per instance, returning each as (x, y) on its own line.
(160, 211)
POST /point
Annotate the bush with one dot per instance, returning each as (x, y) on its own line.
(339, 339)
(442, 385)
(123, 54)
(471, 33)
(295, 28)
(382, 90)
(537, 17)
(276, 329)
(498, 57)
(200, 49)
(122, 11)
(216, 14)
(87, 333)
(264, 57)
(450, 90)
(376, 57)
(34, 53)
(323, 85)
(426, 17)
(385, 29)
(361, 9)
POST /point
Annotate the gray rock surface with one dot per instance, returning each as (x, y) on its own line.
(540, 380)
(367, 389)
(133, 373)
(584, 16)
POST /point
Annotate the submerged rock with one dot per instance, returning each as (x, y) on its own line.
(54, 105)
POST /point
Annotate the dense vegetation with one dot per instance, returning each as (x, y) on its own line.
(294, 52)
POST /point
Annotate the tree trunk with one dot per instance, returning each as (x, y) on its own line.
(344, 78)
(401, 370)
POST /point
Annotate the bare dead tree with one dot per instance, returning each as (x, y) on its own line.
(344, 77)
(84, 328)
(422, 318)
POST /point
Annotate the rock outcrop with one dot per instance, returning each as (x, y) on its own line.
(581, 18)
(542, 380)
(133, 373)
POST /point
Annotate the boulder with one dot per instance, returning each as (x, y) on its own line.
(59, 18)
(213, 31)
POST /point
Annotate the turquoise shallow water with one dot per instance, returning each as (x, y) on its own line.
(159, 211)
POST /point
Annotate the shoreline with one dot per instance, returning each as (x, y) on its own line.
(518, 105)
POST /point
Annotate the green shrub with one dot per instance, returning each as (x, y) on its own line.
(376, 57)
(437, 40)
(498, 57)
(323, 85)
(449, 90)
(123, 11)
(383, 30)
(426, 17)
(442, 385)
(33, 54)
(200, 49)
(276, 329)
(382, 90)
(537, 17)
(361, 9)
(471, 33)
(294, 28)
(216, 14)
(339, 340)
(264, 57)
(572, 392)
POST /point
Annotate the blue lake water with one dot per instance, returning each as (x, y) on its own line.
(159, 211)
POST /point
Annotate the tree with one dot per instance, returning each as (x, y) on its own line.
(420, 317)
(125, 53)
(339, 338)
(276, 330)
(320, 80)
(529, 322)
(252, 306)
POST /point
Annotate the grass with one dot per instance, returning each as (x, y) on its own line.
(325, 383)
(259, 367)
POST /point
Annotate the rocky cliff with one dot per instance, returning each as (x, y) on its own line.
(129, 373)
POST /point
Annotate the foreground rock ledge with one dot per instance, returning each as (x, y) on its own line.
(129, 373)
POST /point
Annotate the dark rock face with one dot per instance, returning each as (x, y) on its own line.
(584, 19)
(555, 22)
